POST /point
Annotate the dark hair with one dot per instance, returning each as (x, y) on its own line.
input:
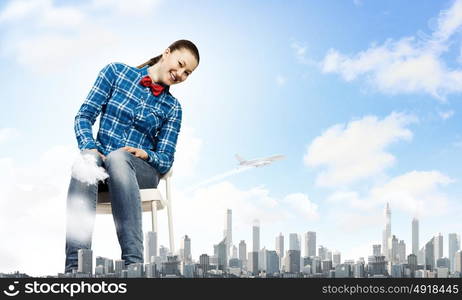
(180, 44)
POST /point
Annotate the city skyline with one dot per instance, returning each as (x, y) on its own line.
(361, 98)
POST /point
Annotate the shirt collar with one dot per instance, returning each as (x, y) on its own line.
(144, 72)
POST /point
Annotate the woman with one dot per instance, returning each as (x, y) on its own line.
(139, 126)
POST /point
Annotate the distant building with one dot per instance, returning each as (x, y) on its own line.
(243, 252)
(454, 246)
(310, 243)
(150, 246)
(135, 270)
(294, 261)
(343, 271)
(85, 261)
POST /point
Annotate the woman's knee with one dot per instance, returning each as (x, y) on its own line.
(117, 157)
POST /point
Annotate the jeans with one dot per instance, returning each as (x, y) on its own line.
(127, 175)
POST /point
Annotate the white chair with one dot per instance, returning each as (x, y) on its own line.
(151, 200)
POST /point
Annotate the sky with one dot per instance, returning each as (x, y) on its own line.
(362, 98)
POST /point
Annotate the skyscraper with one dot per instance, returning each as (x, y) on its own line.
(256, 236)
(310, 243)
(151, 246)
(221, 255)
(228, 232)
(415, 236)
(430, 254)
(85, 261)
(336, 259)
(280, 247)
(438, 243)
(387, 233)
(454, 246)
(322, 252)
(458, 262)
(376, 250)
(243, 252)
(185, 249)
(294, 242)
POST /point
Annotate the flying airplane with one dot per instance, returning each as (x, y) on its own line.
(259, 162)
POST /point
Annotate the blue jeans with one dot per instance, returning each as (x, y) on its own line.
(127, 175)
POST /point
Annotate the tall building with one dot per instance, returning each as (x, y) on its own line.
(458, 262)
(377, 265)
(430, 254)
(221, 255)
(150, 246)
(438, 243)
(336, 259)
(294, 242)
(256, 236)
(310, 243)
(376, 250)
(185, 249)
(401, 252)
(322, 252)
(243, 252)
(412, 264)
(415, 236)
(386, 236)
(228, 232)
(454, 246)
(85, 261)
(252, 262)
(204, 263)
(234, 252)
(280, 247)
(119, 266)
(262, 259)
(294, 261)
(272, 262)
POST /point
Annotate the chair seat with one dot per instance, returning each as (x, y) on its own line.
(147, 196)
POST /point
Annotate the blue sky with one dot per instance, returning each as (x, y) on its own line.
(361, 96)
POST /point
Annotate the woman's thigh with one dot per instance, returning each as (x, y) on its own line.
(146, 175)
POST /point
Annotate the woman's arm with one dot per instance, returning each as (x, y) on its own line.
(162, 157)
(91, 108)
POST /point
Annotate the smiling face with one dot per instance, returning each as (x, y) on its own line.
(175, 66)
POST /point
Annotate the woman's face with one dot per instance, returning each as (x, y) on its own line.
(176, 66)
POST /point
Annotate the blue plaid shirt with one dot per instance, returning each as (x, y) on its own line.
(130, 116)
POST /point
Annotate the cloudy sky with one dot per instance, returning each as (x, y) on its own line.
(361, 96)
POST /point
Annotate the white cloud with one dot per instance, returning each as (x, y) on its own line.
(416, 193)
(6, 134)
(446, 114)
(187, 153)
(300, 54)
(63, 35)
(301, 204)
(44, 13)
(408, 65)
(133, 8)
(32, 211)
(357, 150)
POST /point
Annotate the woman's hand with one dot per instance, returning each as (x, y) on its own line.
(99, 153)
(137, 152)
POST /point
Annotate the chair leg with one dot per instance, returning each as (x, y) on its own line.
(170, 228)
(154, 216)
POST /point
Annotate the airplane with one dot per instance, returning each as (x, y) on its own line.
(259, 162)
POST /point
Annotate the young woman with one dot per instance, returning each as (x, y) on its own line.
(139, 126)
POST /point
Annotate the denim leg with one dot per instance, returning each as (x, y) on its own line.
(126, 204)
(80, 216)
